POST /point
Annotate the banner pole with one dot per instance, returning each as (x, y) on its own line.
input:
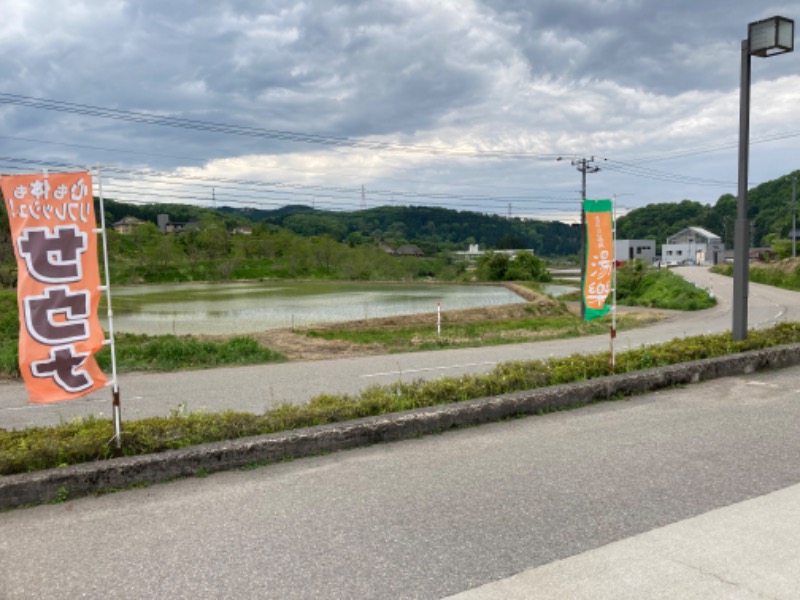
(613, 279)
(116, 407)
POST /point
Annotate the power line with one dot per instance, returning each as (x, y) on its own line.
(193, 189)
(198, 159)
(718, 147)
(209, 182)
(619, 166)
(224, 128)
(649, 173)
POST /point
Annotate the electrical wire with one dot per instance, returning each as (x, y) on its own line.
(628, 168)
(635, 170)
(224, 128)
(132, 183)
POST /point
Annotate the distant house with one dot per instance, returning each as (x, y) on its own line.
(243, 230)
(471, 255)
(409, 250)
(474, 252)
(693, 245)
(644, 250)
(127, 225)
(166, 225)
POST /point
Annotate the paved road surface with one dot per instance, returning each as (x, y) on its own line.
(258, 388)
(687, 493)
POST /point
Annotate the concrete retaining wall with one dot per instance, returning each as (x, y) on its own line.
(120, 473)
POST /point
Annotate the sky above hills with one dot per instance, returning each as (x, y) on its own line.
(465, 104)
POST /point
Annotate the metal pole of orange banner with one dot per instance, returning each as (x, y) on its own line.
(613, 280)
(116, 408)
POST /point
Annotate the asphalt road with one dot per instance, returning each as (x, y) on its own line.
(440, 515)
(257, 388)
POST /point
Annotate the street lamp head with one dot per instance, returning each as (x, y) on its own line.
(772, 36)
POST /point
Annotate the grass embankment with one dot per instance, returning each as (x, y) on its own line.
(783, 274)
(85, 440)
(540, 319)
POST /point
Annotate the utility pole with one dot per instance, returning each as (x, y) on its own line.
(584, 165)
(363, 197)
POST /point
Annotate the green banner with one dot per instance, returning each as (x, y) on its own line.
(599, 257)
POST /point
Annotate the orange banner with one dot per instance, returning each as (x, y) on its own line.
(599, 257)
(53, 230)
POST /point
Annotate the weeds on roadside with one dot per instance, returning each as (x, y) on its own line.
(89, 439)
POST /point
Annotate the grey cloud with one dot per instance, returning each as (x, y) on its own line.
(648, 44)
(390, 68)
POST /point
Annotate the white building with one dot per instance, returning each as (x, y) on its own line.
(475, 252)
(693, 245)
(644, 250)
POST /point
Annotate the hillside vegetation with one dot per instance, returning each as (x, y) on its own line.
(769, 209)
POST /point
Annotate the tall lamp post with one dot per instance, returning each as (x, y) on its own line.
(794, 217)
(764, 38)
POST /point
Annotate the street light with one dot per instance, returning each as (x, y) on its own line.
(794, 217)
(764, 38)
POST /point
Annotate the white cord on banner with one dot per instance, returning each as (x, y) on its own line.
(107, 286)
(116, 409)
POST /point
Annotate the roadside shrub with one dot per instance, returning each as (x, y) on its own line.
(640, 285)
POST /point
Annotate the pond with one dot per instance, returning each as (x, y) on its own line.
(249, 307)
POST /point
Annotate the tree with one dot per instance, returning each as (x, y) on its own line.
(527, 267)
(492, 266)
(213, 237)
(325, 252)
(163, 253)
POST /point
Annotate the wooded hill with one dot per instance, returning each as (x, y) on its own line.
(769, 211)
(432, 229)
(440, 229)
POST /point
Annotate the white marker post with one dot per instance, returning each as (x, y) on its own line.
(613, 279)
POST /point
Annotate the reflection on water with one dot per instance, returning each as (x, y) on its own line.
(557, 290)
(255, 306)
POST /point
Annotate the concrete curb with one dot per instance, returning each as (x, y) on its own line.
(121, 473)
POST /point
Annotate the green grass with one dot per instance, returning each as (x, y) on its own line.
(173, 353)
(89, 439)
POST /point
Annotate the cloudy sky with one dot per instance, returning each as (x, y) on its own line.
(465, 104)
